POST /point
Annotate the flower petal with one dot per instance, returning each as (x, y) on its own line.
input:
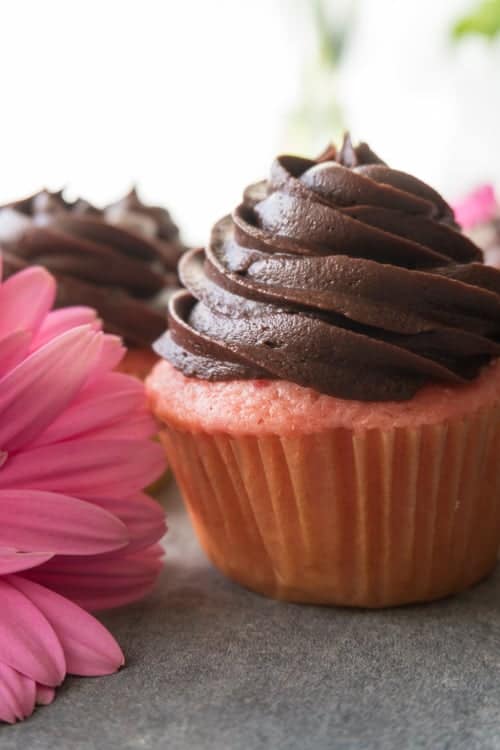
(27, 641)
(25, 300)
(113, 352)
(40, 521)
(101, 583)
(89, 649)
(60, 321)
(478, 207)
(106, 402)
(13, 349)
(13, 561)
(44, 695)
(17, 695)
(139, 426)
(143, 517)
(40, 388)
(104, 468)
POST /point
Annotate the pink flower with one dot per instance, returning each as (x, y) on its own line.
(478, 207)
(76, 530)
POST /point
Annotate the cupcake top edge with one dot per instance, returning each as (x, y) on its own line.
(339, 274)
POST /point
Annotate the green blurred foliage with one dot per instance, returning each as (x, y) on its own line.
(331, 39)
(317, 117)
(483, 20)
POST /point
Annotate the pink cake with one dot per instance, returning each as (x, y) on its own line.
(267, 407)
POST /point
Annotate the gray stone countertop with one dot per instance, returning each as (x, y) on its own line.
(211, 666)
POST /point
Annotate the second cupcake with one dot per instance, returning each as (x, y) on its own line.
(121, 261)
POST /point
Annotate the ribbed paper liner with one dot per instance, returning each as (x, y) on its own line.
(365, 518)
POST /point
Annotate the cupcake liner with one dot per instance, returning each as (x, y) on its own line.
(368, 518)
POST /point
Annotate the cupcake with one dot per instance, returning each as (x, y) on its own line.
(120, 260)
(479, 216)
(329, 388)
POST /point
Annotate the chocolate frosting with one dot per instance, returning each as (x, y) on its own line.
(153, 222)
(106, 259)
(339, 274)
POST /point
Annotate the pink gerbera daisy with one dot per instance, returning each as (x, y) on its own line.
(76, 530)
(478, 207)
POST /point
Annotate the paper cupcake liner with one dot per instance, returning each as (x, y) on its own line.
(367, 518)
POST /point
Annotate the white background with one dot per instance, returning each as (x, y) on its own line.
(190, 98)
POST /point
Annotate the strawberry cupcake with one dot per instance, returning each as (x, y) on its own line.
(120, 260)
(329, 389)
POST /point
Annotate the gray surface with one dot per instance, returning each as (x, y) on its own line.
(211, 666)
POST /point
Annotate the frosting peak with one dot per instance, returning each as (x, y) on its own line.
(151, 220)
(340, 274)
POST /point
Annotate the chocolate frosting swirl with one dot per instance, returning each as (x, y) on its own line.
(340, 274)
(121, 260)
